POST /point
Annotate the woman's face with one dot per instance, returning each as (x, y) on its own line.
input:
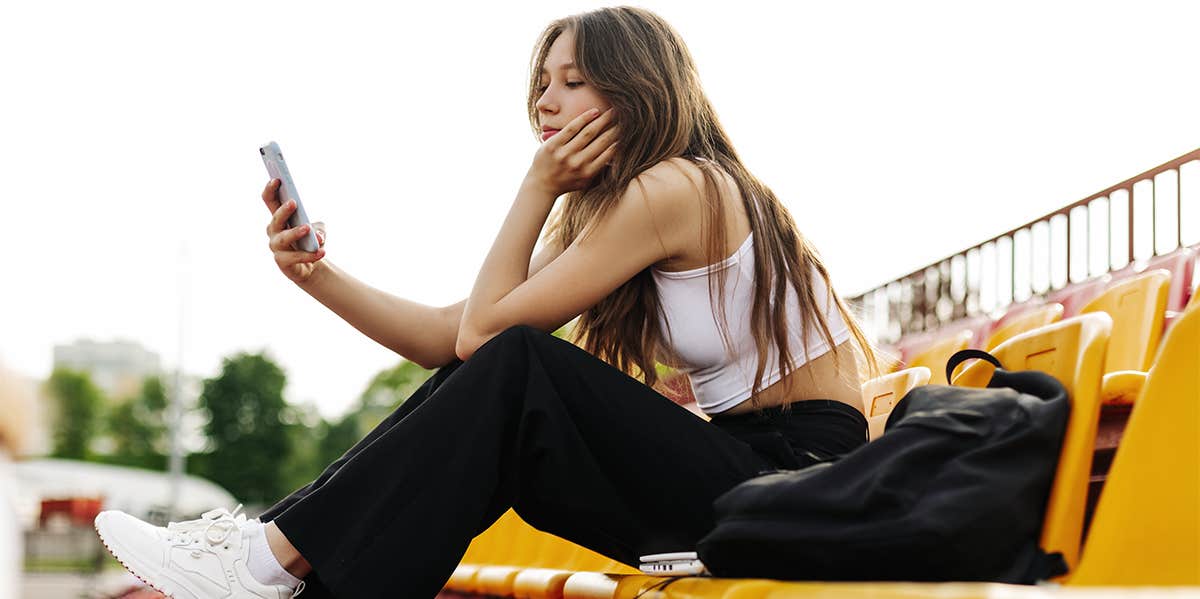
(565, 93)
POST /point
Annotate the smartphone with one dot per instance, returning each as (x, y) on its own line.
(683, 563)
(273, 159)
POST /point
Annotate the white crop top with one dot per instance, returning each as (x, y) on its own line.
(721, 381)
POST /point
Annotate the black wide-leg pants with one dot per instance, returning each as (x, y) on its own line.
(532, 422)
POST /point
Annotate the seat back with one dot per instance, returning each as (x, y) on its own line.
(1137, 306)
(1179, 263)
(1146, 529)
(912, 344)
(1014, 311)
(1071, 351)
(938, 353)
(880, 395)
(1029, 320)
(1074, 297)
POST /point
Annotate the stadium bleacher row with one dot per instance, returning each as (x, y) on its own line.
(1146, 528)
(1124, 509)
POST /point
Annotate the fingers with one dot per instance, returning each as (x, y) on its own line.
(590, 128)
(291, 258)
(605, 142)
(279, 218)
(270, 195)
(320, 228)
(603, 159)
(574, 127)
(283, 240)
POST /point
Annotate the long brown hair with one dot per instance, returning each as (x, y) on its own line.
(637, 62)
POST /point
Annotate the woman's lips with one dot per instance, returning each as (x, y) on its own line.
(548, 133)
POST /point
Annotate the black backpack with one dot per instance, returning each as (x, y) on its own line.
(955, 489)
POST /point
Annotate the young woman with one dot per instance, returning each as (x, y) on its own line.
(667, 250)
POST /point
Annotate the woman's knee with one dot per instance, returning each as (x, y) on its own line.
(509, 340)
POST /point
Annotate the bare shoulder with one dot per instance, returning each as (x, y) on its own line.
(672, 186)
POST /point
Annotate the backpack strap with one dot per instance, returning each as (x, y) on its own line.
(969, 354)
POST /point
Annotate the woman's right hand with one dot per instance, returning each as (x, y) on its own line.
(296, 265)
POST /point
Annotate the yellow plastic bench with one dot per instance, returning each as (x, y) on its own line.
(1072, 351)
(936, 355)
(881, 394)
(1146, 529)
(1138, 307)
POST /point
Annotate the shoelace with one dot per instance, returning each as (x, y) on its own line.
(220, 520)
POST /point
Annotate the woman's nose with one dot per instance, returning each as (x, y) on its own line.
(547, 104)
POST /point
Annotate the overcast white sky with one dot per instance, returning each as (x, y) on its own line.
(896, 133)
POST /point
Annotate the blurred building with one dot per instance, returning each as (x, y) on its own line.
(116, 367)
(143, 493)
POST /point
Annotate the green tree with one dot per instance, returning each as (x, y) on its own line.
(305, 429)
(139, 429)
(386, 391)
(248, 439)
(78, 405)
(316, 442)
(337, 437)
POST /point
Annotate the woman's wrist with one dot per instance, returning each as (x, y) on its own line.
(321, 271)
(537, 186)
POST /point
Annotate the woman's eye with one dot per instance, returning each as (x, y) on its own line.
(541, 89)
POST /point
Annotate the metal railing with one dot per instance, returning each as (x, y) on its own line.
(1153, 213)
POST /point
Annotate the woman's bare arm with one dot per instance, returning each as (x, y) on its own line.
(421, 333)
(408, 328)
(608, 253)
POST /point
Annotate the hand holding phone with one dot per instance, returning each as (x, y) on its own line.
(276, 167)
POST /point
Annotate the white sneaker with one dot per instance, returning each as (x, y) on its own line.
(197, 559)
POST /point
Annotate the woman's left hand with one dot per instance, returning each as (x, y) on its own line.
(573, 156)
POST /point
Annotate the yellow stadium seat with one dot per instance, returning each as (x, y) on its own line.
(936, 355)
(1076, 295)
(559, 561)
(497, 579)
(880, 395)
(513, 559)
(491, 546)
(1138, 307)
(1146, 530)
(540, 583)
(1121, 387)
(1073, 352)
(1013, 311)
(1180, 264)
(690, 587)
(543, 571)
(595, 585)
(1031, 319)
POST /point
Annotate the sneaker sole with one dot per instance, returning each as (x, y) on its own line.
(147, 574)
